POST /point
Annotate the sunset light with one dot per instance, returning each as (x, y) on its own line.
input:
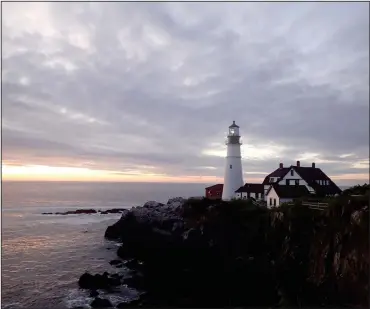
(54, 173)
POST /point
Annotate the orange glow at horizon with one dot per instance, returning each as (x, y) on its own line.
(52, 173)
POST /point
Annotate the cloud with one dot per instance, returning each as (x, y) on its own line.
(125, 86)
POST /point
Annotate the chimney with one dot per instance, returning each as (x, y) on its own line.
(281, 165)
(313, 165)
(298, 164)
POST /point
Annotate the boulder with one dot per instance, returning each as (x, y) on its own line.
(175, 203)
(152, 204)
(131, 304)
(115, 262)
(89, 211)
(176, 200)
(84, 211)
(116, 210)
(101, 303)
(86, 281)
(95, 282)
(94, 293)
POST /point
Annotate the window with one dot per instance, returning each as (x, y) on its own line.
(327, 182)
(297, 182)
(231, 166)
(256, 195)
(291, 172)
(270, 201)
(287, 182)
(274, 201)
(272, 179)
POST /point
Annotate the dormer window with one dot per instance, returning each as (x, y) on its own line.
(272, 179)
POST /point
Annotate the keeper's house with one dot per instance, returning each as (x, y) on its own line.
(283, 185)
(288, 183)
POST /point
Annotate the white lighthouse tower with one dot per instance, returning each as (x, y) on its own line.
(233, 178)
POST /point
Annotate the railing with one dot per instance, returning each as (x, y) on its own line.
(315, 206)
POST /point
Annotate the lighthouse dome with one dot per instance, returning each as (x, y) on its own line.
(234, 125)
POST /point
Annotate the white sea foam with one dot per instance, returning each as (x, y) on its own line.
(87, 219)
(11, 305)
(78, 298)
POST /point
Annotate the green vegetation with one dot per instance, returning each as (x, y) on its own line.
(357, 190)
(236, 254)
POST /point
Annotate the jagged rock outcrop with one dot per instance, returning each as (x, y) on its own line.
(198, 252)
(88, 211)
(153, 215)
(324, 256)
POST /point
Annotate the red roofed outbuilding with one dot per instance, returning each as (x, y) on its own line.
(214, 192)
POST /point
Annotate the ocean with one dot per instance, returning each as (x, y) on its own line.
(43, 256)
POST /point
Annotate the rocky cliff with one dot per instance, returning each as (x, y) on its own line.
(211, 253)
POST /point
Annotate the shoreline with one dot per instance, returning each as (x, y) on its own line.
(190, 253)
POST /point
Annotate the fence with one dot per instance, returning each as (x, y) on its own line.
(315, 206)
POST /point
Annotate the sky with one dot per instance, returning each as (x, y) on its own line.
(146, 91)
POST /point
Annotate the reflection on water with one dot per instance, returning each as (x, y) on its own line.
(42, 260)
(44, 255)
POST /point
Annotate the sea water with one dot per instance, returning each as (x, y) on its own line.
(43, 256)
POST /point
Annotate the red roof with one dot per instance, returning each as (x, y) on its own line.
(219, 186)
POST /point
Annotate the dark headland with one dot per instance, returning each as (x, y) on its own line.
(203, 253)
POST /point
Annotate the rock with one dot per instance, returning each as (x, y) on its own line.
(116, 276)
(86, 281)
(196, 253)
(123, 252)
(84, 211)
(94, 293)
(175, 203)
(137, 282)
(89, 211)
(176, 200)
(133, 303)
(152, 204)
(115, 262)
(116, 210)
(105, 281)
(134, 264)
(112, 232)
(101, 303)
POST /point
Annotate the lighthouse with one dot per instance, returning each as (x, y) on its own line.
(233, 178)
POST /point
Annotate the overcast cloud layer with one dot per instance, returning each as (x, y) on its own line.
(152, 87)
